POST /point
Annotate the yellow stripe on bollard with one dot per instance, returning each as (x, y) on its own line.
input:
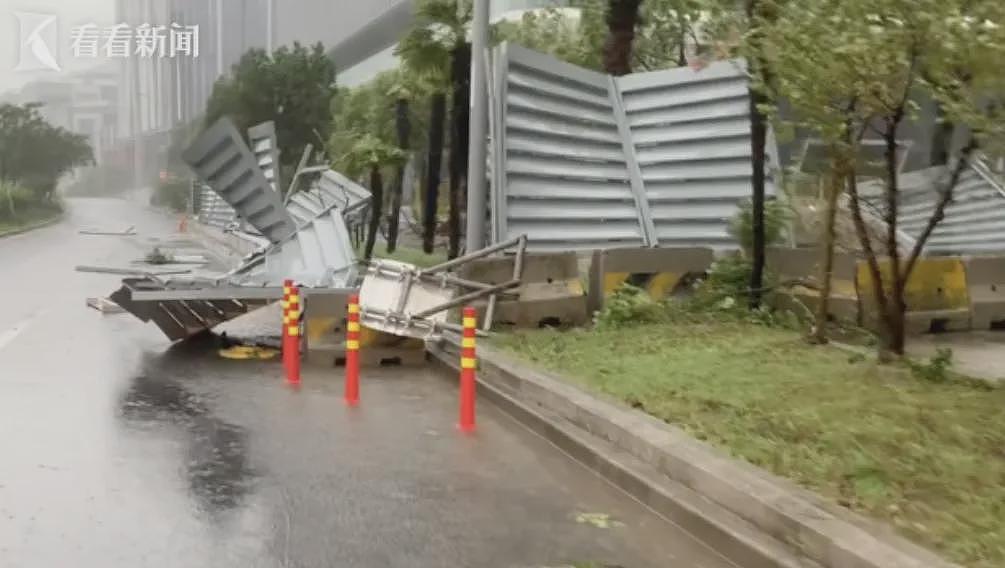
(470, 322)
(353, 308)
(468, 363)
(352, 345)
(293, 331)
(353, 326)
(468, 342)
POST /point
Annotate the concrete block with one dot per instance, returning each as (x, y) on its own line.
(986, 286)
(657, 270)
(551, 293)
(936, 295)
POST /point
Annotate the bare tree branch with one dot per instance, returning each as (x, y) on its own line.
(945, 198)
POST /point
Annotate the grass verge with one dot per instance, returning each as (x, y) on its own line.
(410, 255)
(29, 218)
(927, 457)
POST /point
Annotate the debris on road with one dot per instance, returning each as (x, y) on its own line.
(403, 300)
(105, 306)
(131, 230)
(247, 352)
(129, 271)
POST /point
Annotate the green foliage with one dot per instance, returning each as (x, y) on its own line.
(776, 218)
(36, 154)
(173, 193)
(440, 26)
(628, 305)
(14, 197)
(293, 87)
(935, 369)
(554, 31)
(367, 152)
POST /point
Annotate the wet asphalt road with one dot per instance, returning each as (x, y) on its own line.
(117, 449)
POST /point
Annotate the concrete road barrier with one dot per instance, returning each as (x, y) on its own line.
(551, 293)
(658, 271)
(325, 331)
(937, 296)
(801, 268)
(986, 288)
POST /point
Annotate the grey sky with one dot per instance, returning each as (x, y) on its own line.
(70, 13)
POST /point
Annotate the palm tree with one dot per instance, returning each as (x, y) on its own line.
(623, 17)
(403, 128)
(369, 154)
(436, 49)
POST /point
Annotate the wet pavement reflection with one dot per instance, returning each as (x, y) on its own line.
(117, 449)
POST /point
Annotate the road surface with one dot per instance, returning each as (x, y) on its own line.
(121, 450)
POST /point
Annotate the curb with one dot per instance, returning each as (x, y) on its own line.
(39, 225)
(751, 516)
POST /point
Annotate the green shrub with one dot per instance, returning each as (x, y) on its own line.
(173, 193)
(936, 369)
(776, 218)
(14, 197)
(628, 305)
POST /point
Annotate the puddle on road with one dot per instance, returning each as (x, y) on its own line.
(216, 455)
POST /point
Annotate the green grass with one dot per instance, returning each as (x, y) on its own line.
(28, 218)
(929, 458)
(407, 254)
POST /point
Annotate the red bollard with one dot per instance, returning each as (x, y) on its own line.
(291, 333)
(352, 330)
(468, 364)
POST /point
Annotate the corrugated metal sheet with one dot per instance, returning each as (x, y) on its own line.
(974, 221)
(213, 210)
(331, 189)
(691, 135)
(264, 146)
(584, 161)
(221, 158)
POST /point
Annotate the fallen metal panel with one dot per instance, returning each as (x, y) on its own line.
(182, 316)
(388, 290)
(974, 222)
(213, 210)
(266, 149)
(320, 254)
(221, 158)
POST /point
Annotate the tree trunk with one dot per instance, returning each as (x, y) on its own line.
(434, 160)
(758, 162)
(460, 121)
(758, 159)
(376, 207)
(942, 138)
(404, 130)
(622, 19)
(896, 306)
(827, 261)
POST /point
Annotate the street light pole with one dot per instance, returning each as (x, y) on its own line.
(479, 125)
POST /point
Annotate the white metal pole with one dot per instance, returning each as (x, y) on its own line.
(269, 28)
(219, 38)
(477, 141)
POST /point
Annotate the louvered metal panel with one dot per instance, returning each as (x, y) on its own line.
(563, 179)
(975, 220)
(213, 210)
(221, 158)
(331, 189)
(265, 147)
(581, 160)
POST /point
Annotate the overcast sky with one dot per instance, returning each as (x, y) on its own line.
(70, 13)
